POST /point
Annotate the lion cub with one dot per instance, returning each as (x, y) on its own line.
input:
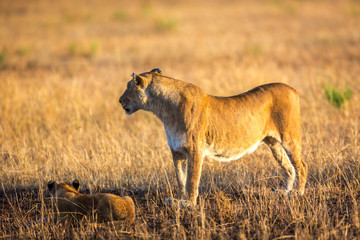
(102, 206)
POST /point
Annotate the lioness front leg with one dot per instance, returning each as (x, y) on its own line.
(189, 184)
(179, 164)
(194, 167)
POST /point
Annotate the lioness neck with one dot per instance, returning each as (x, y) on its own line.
(165, 97)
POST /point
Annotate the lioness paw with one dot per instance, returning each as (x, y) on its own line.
(171, 201)
(185, 203)
(175, 202)
(288, 193)
(281, 192)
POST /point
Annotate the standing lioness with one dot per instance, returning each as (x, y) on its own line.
(198, 125)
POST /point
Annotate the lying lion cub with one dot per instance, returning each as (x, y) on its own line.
(102, 206)
(199, 125)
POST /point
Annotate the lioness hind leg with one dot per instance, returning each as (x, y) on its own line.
(282, 158)
(294, 152)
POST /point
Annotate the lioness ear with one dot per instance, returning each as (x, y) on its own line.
(139, 80)
(156, 70)
(76, 184)
(51, 185)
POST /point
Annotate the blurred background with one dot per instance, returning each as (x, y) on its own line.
(232, 43)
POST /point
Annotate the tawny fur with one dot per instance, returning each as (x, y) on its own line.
(199, 125)
(103, 207)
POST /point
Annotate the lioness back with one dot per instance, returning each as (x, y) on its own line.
(237, 124)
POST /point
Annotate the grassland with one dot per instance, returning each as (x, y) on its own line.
(64, 64)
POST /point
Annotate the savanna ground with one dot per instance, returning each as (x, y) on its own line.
(64, 64)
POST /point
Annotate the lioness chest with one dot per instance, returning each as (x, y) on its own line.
(176, 139)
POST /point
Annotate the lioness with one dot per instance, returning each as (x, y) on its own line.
(102, 206)
(199, 125)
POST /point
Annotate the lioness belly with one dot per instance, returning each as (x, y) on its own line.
(226, 155)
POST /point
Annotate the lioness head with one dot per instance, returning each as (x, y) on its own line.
(57, 189)
(135, 97)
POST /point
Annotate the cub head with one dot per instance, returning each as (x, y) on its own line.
(135, 96)
(58, 189)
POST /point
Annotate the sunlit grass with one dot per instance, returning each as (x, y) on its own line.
(60, 118)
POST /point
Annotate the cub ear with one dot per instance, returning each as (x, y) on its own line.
(76, 184)
(156, 70)
(51, 185)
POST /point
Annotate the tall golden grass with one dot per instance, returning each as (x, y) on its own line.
(64, 64)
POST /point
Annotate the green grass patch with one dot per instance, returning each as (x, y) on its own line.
(2, 57)
(254, 50)
(120, 16)
(287, 7)
(146, 10)
(73, 48)
(354, 10)
(21, 52)
(166, 24)
(337, 97)
(94, 48)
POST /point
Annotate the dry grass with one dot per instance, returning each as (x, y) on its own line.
(64, 64)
